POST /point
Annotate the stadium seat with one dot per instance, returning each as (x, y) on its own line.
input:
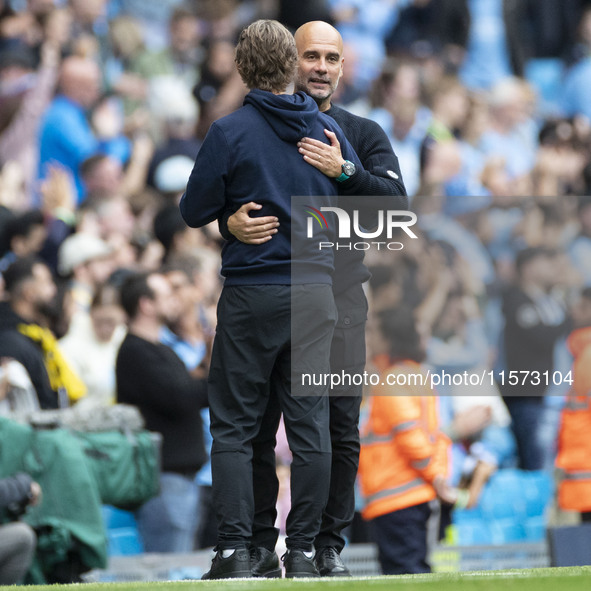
(115, 518)
(124, 541)
(122, 533)
(512, 508)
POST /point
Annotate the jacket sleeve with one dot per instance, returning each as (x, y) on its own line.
(15, 489)
(205, 196)
(381, 171)
(410, 437)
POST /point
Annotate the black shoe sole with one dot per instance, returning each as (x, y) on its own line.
(301, 575)
(240, 574)
(329, 575)
(272, 574)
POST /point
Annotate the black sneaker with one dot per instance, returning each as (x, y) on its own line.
(329, 563)
(264, 563)
(297, 565)
(235, 566)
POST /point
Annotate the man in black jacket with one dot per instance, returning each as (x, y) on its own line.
(535, 319)
(30, 289)
(153, 378)
(17, 540)
(320, 66)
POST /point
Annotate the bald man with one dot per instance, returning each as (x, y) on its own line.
(66, 134)
(320, 67)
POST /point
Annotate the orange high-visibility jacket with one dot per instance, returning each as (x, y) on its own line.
(402, 448)
(574, 440)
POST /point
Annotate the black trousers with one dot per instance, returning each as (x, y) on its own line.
(347, 353)
(252, 365)
(401, 537)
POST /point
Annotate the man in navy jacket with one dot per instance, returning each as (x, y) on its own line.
(320, 66)
(252, 155)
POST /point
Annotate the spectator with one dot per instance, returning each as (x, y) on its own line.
(153, 378)
(174, 234)
(30, 289)
(66, 133)
(182, 56)
(511, 133)
(498, 53)
(402, 116)
(85, 260)
(185, 335)
(101, 175)
(92, 350)
(22, 236)
(219, 90)
(178, 111)
(403, 461)
(153, 18)
(26, 93)
(534, 320)
(17, 539)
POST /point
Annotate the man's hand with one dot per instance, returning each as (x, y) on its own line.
(57, 192)
(327, 159)
(252, 230)
(36, 494)
(445, 492)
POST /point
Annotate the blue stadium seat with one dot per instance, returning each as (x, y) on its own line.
(124, 541)
(512, 508)
(122, 533)
(537, 492)
(470, 534)
(115, 518)
(535, 529)
(507, 531)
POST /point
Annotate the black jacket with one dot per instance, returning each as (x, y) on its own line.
(152, 377)
(18, 346)
(533, 324)
(380, 176)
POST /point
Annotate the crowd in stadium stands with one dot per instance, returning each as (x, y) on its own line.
(103, 107)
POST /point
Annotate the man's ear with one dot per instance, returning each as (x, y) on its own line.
(342, 64)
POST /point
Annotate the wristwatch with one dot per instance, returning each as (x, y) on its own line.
(348, 170)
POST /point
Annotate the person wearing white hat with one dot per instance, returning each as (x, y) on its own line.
(86, 260)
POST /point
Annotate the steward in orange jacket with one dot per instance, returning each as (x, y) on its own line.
(403, 459)
(574, 441)
(402, 448)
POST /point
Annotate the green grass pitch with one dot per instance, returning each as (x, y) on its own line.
(548, 579)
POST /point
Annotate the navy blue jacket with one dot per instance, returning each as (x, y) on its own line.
(251, 155)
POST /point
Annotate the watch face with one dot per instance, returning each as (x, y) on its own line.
(348, 168)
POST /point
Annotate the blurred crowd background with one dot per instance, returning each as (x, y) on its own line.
(104, 103)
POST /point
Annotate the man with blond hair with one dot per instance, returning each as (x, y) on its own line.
(320, 66)
(252, 155)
